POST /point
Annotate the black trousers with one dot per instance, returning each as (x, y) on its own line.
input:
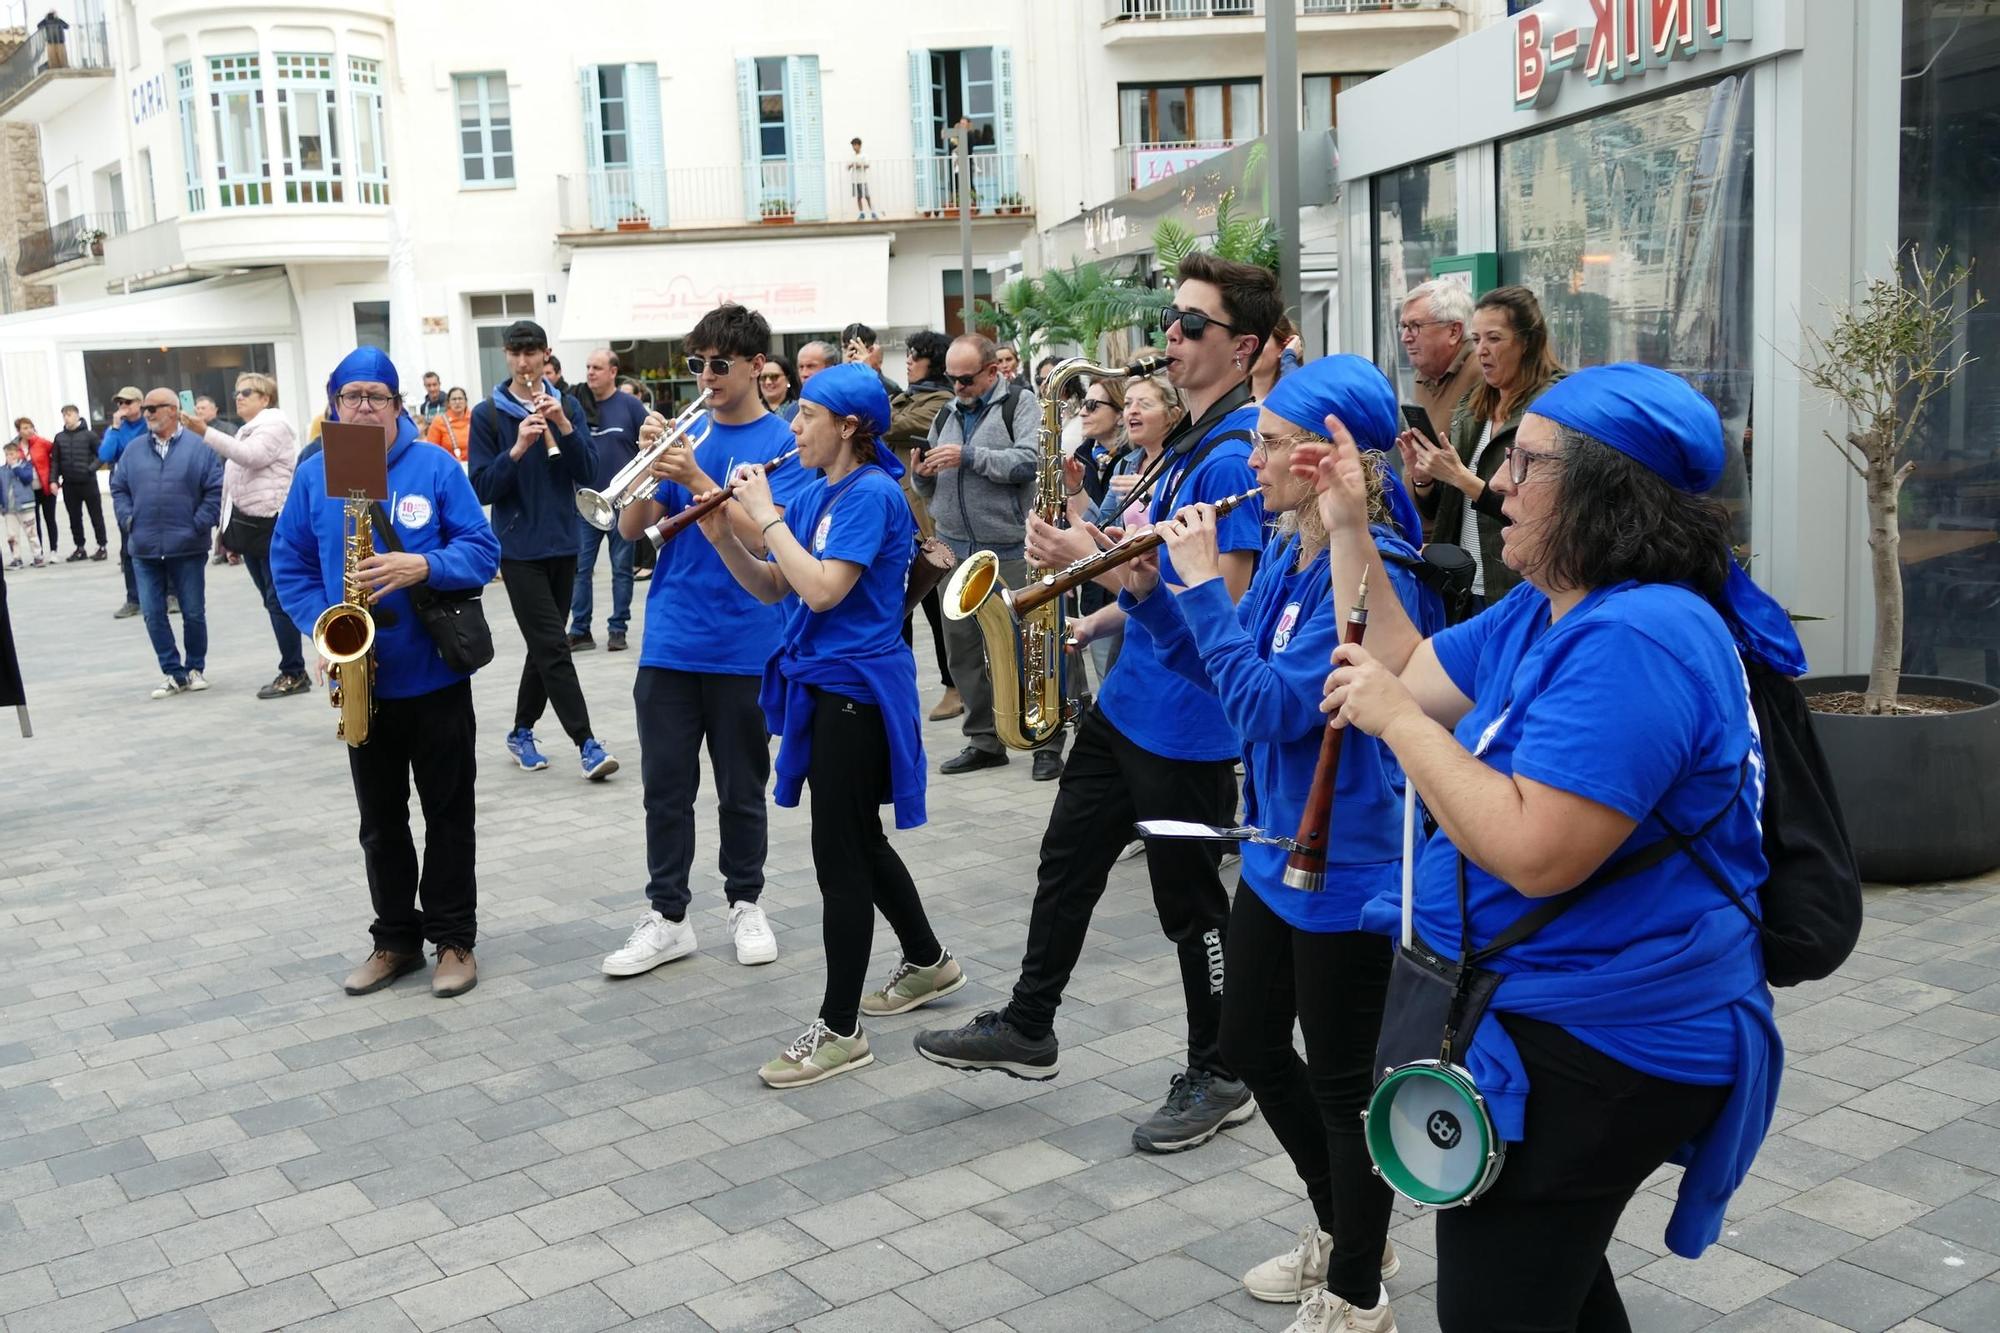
(933, 612)
(429, 738)
(1528, 1257)
(677, 710)
(857, 868)
(1107, 784)
(1333, 985)
(539, 591)
(45, 516)
(79, 496)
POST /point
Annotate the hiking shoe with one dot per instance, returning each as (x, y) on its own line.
(379, 969)
(614, 642)
(653, 941)
(167, 688)
(126, 612)
(1328, 1313)
(597, 764)
(1199, 1106)
(456, 973)
(581, 643)
(972, 758)
(195, 684)
(818, 1053)
(989, 1041)
(911, 986)
(1293, 1276)
(283, 686)
(521, 744)
(755, 943)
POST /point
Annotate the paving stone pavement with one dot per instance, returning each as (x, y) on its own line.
(199, 1131)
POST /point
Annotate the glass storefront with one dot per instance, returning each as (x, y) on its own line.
(1950, 197)
(209, 371)
(1635, 229)
(1416, 221)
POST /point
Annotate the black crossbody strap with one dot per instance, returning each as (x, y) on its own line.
(421, 596)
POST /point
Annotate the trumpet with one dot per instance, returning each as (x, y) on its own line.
(533, 388)
(633, 481)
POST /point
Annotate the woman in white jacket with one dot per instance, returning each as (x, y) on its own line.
(256, 476)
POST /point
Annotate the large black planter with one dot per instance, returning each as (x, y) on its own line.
(1921, 795)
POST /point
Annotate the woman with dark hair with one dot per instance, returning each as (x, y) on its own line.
(779, 384)
(1587, 717)
(1454, 484)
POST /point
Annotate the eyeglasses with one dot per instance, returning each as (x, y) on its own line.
(354, 400)
(1408, 328)
(1519, 460)
(1193, 323)
(967, 381)
(714, 365)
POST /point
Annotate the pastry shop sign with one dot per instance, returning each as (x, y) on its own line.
(1619, 40)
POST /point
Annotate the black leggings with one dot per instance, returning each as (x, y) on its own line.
(539, 591)
(1333, 984)
(858, 870)
(1528, 1256)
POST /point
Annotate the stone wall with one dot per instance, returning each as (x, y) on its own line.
(24, 204)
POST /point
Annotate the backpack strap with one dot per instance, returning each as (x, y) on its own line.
(1202, 451)
(1012, 396)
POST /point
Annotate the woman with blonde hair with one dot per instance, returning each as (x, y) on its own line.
(256, 476)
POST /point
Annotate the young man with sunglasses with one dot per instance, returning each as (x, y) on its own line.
(702, 661)
(533, 494)
(127, 425)
(1153, 746)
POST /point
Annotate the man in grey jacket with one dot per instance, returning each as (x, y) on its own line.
(977, 474)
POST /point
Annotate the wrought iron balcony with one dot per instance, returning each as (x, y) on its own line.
(40, 79)
(80, 237)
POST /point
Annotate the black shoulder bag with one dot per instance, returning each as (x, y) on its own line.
(456, 621)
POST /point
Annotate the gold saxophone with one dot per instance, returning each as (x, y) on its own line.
(344, 634)
(1025, 653)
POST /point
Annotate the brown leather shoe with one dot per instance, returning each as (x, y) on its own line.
(948, 707)
(456, 973)
(381, 968)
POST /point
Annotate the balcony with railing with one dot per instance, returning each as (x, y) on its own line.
(73, 239)
(1138, 21)
(777, 194)
(40, 79)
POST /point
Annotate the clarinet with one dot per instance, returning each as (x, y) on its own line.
(1306, 867)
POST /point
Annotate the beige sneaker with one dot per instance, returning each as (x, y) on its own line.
(1289, 1278)
(1327, 1313)
(818, 1053)
(912, 986)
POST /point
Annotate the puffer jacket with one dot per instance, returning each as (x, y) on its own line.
(258, 475)
(76, 454)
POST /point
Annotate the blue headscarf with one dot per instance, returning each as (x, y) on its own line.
(1658, 420)
(368, 365)
(1351, 389)
(854, 390)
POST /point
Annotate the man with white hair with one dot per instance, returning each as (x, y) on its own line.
(1436, 322)
(814, 357)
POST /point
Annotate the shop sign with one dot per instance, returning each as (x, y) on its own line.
(149, 98)
(1622, 39)
(1150, 166)
(1103, 228)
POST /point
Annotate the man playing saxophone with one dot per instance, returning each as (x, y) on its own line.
(422, 723)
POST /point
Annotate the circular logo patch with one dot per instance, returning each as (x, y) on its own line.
(1444, 1130)
(820, 532)
(1287, 622)
(413, 511)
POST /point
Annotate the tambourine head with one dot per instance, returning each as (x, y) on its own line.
(1430, 1137)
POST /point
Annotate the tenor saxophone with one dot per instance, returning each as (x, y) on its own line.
(1025, 653)
(344, 634)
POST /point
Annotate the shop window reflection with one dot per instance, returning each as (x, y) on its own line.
(1416, 221)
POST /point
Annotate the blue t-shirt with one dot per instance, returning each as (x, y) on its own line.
(698, 617)
(1154, 708)
(863, 519)
(1637, 700)
(615, 438)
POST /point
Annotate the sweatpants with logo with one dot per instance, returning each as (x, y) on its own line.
(1108, 783)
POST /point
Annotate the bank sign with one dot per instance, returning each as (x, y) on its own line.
(1620, 39)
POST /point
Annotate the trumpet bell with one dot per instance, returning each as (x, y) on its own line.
(597, 509)
(344, 632)
(971, 584)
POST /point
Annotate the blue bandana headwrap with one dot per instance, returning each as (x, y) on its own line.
(1351, 389)
(368, 365)
(1658, 420)
(854, 390)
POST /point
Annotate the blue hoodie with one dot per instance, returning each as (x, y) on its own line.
(436, 515)
(534, 499)
(116, 436)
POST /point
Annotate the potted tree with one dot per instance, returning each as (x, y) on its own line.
(1913, 758)
(776, 211)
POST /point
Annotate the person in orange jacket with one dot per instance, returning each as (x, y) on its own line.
(451, 428)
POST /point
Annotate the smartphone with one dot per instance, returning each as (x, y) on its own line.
(1419, 421)
(187, 400)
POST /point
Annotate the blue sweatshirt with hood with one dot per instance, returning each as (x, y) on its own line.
(534, 498)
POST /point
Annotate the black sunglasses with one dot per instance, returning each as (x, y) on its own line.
(967, 381)
(714, 365)
(1092, 404)
(1193, 323)
(160, 407)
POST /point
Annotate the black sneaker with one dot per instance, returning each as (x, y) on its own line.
(989, 1041)
(1048, 764)
(1199, 1106)
(283, 686)
(971, 758)
(98, 554)
(615, 641)
(581, 643)
(75, 556)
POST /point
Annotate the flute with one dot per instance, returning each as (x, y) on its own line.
(533, 389)
(1306, 867)
(673, 525)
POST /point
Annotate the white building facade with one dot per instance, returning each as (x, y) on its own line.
(264, 187)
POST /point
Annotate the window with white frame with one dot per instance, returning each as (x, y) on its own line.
(236, 97)
(197, 198)
(309, 128)
(491, 314)
(485, 130)
(371, 156)
(771, 108)
(614, 124)
(1319, 99)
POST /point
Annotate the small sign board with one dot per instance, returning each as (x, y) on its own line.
(1480, 271)
(357, 461)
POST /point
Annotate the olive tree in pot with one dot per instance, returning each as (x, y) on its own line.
(1913, 757)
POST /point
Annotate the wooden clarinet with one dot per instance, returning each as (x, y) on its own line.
(1306, 867)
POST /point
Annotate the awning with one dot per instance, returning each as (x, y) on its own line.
(241, 308)
(654, 290)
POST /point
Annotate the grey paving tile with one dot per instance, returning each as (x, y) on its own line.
(278, 1305)
(653, 1289)
(383, 1273)
(1974, 1308)
(1854, 1297)
(583, 1309)
(453, 1300)
(967, 1293)
(777, 1300)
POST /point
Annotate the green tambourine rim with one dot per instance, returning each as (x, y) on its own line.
(1382, 1149)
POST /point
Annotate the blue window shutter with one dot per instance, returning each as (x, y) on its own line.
(1004, 130)
(649, 153)
(923, 142)
(594, 182)
(746, 104)
(805, 137)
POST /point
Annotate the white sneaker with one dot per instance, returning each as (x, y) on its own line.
(754, 941)
(167, 688)
(653, 941)
(1291, 1277)
(1327, 1313)
(195, 682)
